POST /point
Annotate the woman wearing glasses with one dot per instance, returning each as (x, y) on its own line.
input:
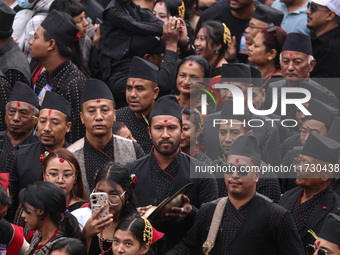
(115, 180)
(47, 218)
(62, 168)
(265, 53)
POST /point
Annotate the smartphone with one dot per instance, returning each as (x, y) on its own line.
(97, 199)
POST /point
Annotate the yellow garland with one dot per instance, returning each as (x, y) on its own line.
(226, 34)
(147, 233)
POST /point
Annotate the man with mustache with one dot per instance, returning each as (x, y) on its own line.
(99, 145)
(20, 118)
(246, 215)
(53, 124)
(166, 169)
(141, 93)
(314, 199)
(323, 18)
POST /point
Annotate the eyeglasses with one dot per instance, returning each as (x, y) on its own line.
(241, 170)
(114, 199)
(311, 250)
(314, 8)
(300, 163)
(255, 27)
(54, 177)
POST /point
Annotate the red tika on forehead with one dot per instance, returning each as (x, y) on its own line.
(124, 127)
(318, 243)
(49, 112)
(98, 100)
(160, 4)
(237, 160)
(308, 127)
(291, 55)
(133, 82)
(61, 160)
(190, 63)
(18, 104)
(165, 121)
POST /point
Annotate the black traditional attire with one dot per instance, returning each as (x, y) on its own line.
(266, 227)
(5, 91)
(67, 81)
(138, 127)
(120, 23)
(312, 213)
(156, 184)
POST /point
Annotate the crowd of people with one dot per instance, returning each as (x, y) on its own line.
(204, 126)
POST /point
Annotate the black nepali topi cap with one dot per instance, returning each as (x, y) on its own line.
(330, 230)
(23, 93)
(317, 91)
(333, 131)
(268, 14)
(236, 73)
(298, 42)
(143, 69)
(256, 77)
(57, 102)
(321, 112)
(322, 148)
(95, 89)
(246, 145)
(144, 44)
(227, 112)
(167, 105)
(60, 27)
(6, 20)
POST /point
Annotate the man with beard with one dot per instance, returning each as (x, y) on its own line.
(236, 14)
(246, 216)
(314, 199)
(99, 145)
(141, 93)
(166, 169)
(21, 112)
(53, 124)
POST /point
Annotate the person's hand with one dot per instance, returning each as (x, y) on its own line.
(95, 225)
(96, 36)
(180, 213)
(142, 210)
(183, 32)
(231, 51)
(171, 33)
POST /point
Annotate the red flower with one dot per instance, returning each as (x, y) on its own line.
(134, 181)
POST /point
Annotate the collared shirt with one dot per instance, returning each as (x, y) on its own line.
(294, 22)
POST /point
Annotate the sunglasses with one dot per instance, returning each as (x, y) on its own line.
(314, 8)
(311, 250)
(242, 171)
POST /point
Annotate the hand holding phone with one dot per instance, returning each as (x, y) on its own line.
(97, 199)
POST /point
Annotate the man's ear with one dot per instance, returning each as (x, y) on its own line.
(82, 118)
(312, 65)
(155, 93)
(250, 132)
(68, 125)
(51, 45)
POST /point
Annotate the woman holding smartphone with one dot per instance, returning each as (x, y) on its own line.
(114, 180)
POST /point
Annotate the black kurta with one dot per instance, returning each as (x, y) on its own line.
(266, 228)
(5, 92)
(68, 81)
(313, 213)
(155, 184)
(8, 165)
(138, 127)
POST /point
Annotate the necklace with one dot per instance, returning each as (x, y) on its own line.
(102, 252)
(69, 202)
(270, 76)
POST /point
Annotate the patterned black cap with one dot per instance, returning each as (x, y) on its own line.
(246, 145)
(95, 89)
(60, 27)
(268, 14)
(24, 93)
(298, 42)
(57, 102)
(6, 20)
(167, 105)
(322, 148)
(143, 69)
(256, 77)
(333, 131)
(330, 230)
(227, 112)
(236, 73)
